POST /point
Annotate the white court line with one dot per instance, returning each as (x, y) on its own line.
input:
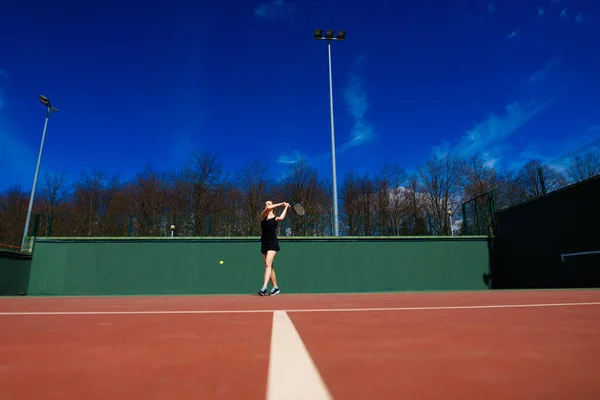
(583, 253)
(292, 372)
(300, 310)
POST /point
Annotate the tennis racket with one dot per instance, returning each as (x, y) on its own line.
(298, 209)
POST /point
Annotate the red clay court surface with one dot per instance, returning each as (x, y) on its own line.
(458, 345)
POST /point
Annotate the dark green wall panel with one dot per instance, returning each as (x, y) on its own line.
(14, 273)
(305, 265)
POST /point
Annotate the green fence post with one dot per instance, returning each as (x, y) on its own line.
(542, 183)
(49, 228)
(129, 225)
(492, 200)
(36, 224)
(477, 222)
(464, 214)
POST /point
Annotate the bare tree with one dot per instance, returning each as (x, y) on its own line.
(416, 217)
(178, 204)
(252, 183)
(203, 177)
(302, 185)
(226, 213)
(478, 178)
(51, 204)
(440, 178)
(509, 191)
(583, 167)
(537, 179)
(389, 187)
(13, 212)
(366, 205)
(87, 204)
(150, 199)
(350, 215)
(115, 209)
(201, 199)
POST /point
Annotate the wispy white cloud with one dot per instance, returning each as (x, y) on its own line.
(442, 150)
(533, 151)
(490, 160)
(356, 100)
(541, 75)
(497, 128)
(513, 34)
(488, 137)
(362, 131)
(565, 12)
(580, 18)
(293, 158)
(16, 158)
(274, 9)
(556, 153)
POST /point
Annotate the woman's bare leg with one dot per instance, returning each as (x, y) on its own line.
(273, 277)
(268, 266)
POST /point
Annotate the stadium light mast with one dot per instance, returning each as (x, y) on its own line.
(45, 101)
(329, 36)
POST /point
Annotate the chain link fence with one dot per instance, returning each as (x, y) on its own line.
(536, 180)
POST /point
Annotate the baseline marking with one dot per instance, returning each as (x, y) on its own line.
(309, 310)
(292, 372)
(583, 253)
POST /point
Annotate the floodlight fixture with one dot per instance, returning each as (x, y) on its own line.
(45, 101)
(329, 34)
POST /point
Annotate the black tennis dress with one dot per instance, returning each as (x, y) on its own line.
(268, 238)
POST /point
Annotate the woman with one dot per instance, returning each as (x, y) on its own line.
(269, 245)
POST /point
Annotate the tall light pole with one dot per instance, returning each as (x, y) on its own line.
(329, 36)
(45, 101)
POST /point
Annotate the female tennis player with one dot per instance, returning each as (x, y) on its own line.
(269, 245)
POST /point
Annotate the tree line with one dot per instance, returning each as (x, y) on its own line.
(202, 199)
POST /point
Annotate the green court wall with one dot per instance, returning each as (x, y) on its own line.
(126, 266)
(15, 269)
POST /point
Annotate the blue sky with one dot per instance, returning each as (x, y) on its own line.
(149, 83)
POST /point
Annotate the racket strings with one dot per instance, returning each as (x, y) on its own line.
(299, 209)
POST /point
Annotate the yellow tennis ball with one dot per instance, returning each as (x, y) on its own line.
(220, 262)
